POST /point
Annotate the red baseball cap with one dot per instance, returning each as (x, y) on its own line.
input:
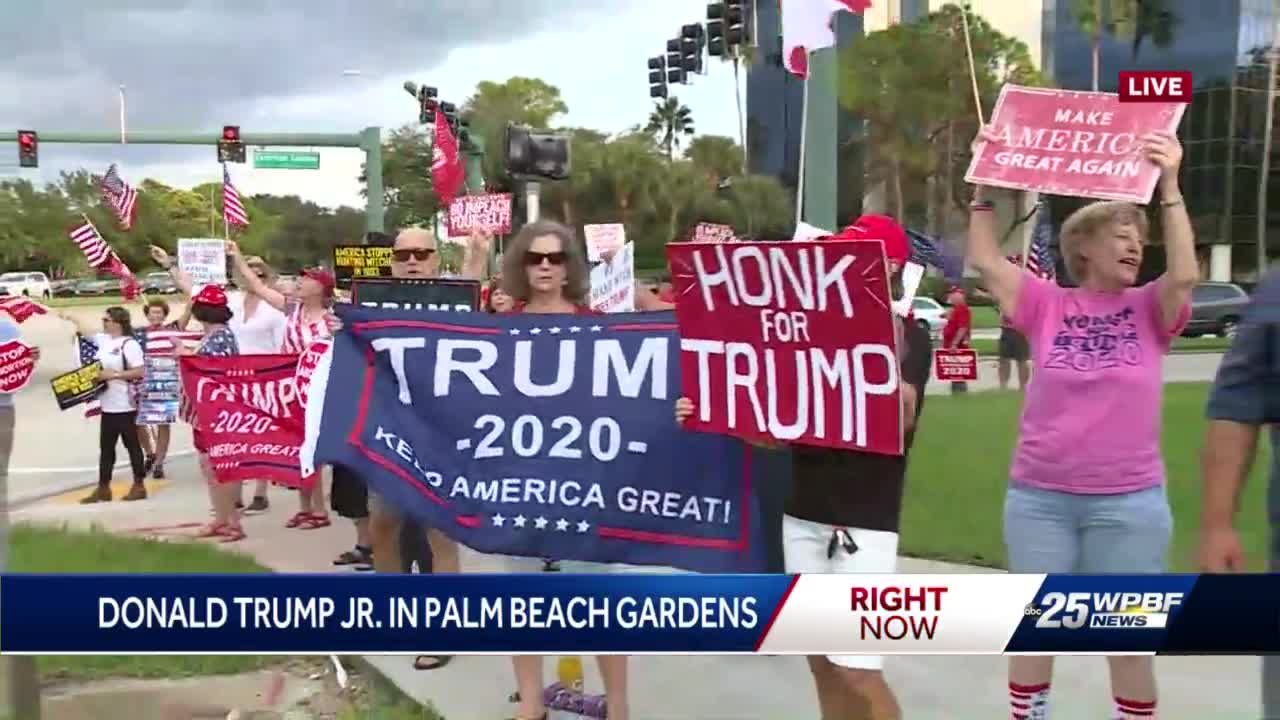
(324, 277)
(210, 295)
(897, 248)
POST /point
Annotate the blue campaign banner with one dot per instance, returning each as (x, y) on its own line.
(447, 614)
(537, 435)
(1165, 614)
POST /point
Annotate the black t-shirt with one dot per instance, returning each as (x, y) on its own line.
(860, 489)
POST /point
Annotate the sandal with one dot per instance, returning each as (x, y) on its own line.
(231, 533)
(358, 556)
(297, 519)
(433, 662)
(211, 530)
(314, 522)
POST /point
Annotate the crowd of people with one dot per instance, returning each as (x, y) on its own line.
(1086, 489)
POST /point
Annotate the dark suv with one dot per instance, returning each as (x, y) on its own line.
(1215, 309)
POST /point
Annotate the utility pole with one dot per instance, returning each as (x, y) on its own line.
(820, 158)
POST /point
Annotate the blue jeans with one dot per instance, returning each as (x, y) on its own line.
(1056, 532)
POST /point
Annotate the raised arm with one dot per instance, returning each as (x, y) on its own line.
(253, 283)
(1182, 270)
(475, 260)
(181, 280)
(1002, 278)
(82, 327)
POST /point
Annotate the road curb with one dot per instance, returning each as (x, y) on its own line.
(82, 483)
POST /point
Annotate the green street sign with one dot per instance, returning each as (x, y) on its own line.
(285, 160)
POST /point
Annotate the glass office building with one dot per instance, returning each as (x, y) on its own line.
(1224, 44)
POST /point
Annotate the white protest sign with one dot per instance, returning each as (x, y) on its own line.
(204, 260)
(911, 276)
(805, 231)
(603, 238)
(613, 283)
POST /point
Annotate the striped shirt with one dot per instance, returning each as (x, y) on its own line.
(160, 340)
(300, 333)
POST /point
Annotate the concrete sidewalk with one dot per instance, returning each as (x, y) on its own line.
(679, 687)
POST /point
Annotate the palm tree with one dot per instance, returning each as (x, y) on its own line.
(1088, 16)
(1135, 19)
(668, 122)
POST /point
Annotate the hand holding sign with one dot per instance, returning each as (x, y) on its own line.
(1165, 151)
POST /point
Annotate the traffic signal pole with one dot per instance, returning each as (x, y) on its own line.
(369, 140)
(820, 142)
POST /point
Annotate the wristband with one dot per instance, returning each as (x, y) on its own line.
(982, 206)
(1171, 203)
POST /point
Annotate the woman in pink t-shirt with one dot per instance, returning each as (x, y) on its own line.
(1086, 490)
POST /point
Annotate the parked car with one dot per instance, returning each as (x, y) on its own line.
(929, 314)
(31, 284)
(158, 283)
(1216, 308)
(63, 288)
(94, 287)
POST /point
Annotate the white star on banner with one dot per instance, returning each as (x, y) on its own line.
(515, 331)
(554, 331)
(582, 526)
(562, 525)
(596, 328)
(536, 331)
(498, 520)
(575, 329)
(539, 523)
(518, 520)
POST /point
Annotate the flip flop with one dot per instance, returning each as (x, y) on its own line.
(314, 522)
(231, 533)
(211, 530)
(297, 519)
(433, 662)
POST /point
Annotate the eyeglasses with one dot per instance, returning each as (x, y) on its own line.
(532, 258)
(419, 254)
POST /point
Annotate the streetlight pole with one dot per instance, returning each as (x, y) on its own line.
(1265, 165)
(123, 137)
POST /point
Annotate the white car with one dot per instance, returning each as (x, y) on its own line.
(31, 284)
(929, 314)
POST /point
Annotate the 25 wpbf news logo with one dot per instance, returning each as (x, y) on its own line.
(1118, 611)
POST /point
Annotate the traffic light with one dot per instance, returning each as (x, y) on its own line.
(427, 105)
(692, 40)
(658, 77)
(450, 116)
(230, 148)
(675, 62)
(737, 29)
(715, 30)
(28, 149)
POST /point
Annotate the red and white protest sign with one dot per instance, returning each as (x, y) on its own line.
(17, 365)
(20, 308)
(955, 365)
(1064, 142)
(307, 363)
(249, 416)
(489, 213)
(789, 341)
(603, 239)
(713, 232)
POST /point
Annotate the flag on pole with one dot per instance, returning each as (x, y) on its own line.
(1040, 259)
(447, 173)
(233, 213)
(809, 25)
(120, 196)
(86, 353)
(20, 307)
(101, 257)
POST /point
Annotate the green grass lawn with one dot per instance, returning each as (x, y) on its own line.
(52, 550)
(989, 348)
(959, 471)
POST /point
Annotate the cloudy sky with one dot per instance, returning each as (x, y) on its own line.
(280, 66)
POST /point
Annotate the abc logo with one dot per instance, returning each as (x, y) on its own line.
(1032, 611)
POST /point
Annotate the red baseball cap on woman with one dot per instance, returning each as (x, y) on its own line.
(897, 248)
(211, 295)
(324, 277)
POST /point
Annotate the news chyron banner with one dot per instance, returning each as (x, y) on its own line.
(984, 614)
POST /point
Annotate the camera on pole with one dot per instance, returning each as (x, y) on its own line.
(675, 63)
(658, 77)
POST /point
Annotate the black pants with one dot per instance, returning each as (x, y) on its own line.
(348, 496)
(414, 547)
(122, 427)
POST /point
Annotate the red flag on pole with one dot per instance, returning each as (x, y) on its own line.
(447, 172)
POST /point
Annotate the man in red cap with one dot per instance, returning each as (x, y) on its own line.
(959, 327)
(842, 516)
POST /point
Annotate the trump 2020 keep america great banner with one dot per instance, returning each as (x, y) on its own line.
(791, 341)
(534, 435)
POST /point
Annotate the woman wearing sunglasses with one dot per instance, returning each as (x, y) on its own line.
(121, 358)
(544, 270)
(307, 321)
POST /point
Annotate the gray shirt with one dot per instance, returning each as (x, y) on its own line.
(1247, 389)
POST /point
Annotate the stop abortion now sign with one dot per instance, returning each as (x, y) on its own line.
(790, 341)
(17, 365)
(1064, 142)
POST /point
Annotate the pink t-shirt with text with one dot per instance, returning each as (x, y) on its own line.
(1091, 416)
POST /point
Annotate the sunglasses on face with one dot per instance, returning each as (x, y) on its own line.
(532, 258)
(419, 254)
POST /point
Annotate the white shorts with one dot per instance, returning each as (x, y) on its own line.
(804, 546)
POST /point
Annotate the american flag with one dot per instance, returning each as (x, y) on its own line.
(232, 209)
(87, 353)
(20, 308)
(122, 198)
(925, 250)
(1040, 259)
(100, 256)
(162, 342)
